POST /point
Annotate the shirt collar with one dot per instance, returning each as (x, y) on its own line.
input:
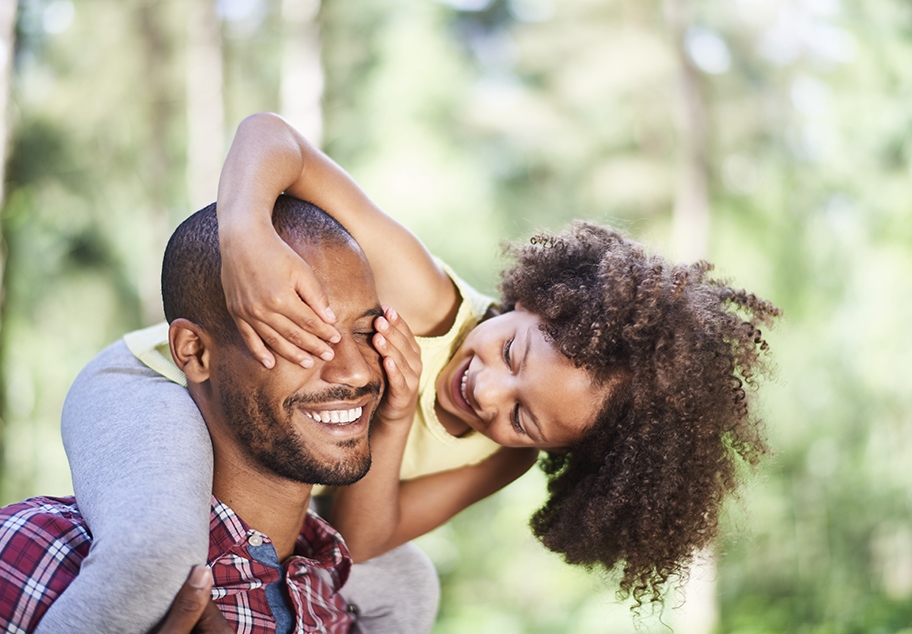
(318, 545)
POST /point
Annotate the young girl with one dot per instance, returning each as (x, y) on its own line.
(630, 373)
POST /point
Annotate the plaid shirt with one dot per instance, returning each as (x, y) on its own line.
(44, 540)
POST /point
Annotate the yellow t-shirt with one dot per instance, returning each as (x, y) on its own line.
(430, 448)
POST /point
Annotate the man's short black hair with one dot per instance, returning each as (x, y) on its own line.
(191, 269)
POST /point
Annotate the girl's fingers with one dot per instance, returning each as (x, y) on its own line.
(304, 317)
(402, 375)
(399, 324)
(386, 344)
(399, 335)
(311, 292)
(278, 344)
(400, 397)
(305, 339)
(305, 326)
(255, 344)
(297, 322)
(279, 305)
(279, 334)
(394, 378)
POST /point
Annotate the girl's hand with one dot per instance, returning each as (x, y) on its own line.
(276, 301)
(402, 363)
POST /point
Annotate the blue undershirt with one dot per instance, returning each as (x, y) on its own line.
(275, 592)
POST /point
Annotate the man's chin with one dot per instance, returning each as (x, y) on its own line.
(307, 469)
(343, 474)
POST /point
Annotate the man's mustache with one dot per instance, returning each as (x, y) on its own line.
(334, 393)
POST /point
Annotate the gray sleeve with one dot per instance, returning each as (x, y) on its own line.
(141, 461)
(395, 593)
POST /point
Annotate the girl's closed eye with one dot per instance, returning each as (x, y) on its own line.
(508, 344)
(515, 420)
(514, 414)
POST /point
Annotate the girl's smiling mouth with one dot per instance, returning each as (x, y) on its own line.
(458, 388)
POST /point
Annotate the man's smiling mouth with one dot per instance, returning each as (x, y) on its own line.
(337, 416)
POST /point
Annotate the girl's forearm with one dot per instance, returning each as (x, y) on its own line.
(423, 504)
(367, 513)
(427, 502)
(268, 157)
(265, 159)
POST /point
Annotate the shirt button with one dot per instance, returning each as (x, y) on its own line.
(255, 539)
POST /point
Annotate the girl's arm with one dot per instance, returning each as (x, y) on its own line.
(423, 504)
(116, 408)
(366, 512)
(270, 291)
(379, 512)
(427, 502)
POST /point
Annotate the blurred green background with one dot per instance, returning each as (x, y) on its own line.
(771, 136)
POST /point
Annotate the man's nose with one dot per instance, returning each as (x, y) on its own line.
(350, 365)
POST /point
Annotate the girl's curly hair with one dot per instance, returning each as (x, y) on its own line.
(644, 487)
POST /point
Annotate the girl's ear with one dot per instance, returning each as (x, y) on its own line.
(190, 349)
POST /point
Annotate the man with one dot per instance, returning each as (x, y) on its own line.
(275, 568)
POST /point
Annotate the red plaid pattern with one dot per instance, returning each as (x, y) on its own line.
(44, 540)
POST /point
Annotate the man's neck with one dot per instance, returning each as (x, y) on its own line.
(268, 503)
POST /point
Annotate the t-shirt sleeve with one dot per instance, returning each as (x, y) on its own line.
(150, 345)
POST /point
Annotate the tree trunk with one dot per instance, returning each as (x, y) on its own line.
(690, 236)
(7, 34)
(690, 220)
(205, 109)
(156, 39)
(302, 73)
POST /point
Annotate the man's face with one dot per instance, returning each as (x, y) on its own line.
(310, 425)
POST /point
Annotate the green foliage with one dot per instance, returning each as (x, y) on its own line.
(477, 125)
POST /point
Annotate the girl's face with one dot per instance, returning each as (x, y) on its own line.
(508, 382)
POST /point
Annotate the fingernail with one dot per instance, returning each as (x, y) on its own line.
(268, 362)
(336, 338)
(381, 340)
(392, 314)
(307, 363)
(199, 577)
(327, 356)
(381, 323)
(329, 314)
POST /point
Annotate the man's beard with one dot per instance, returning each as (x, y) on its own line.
(269, 436)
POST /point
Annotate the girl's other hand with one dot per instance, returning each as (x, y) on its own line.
(276, 301)
(401, 359)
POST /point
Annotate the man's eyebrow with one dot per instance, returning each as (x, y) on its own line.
(522, 365)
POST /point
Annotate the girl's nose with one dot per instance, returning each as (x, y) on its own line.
(491, 391)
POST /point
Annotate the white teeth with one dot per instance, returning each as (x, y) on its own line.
(462, 387)
(336, 415)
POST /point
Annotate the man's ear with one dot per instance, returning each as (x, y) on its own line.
(190, 349)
